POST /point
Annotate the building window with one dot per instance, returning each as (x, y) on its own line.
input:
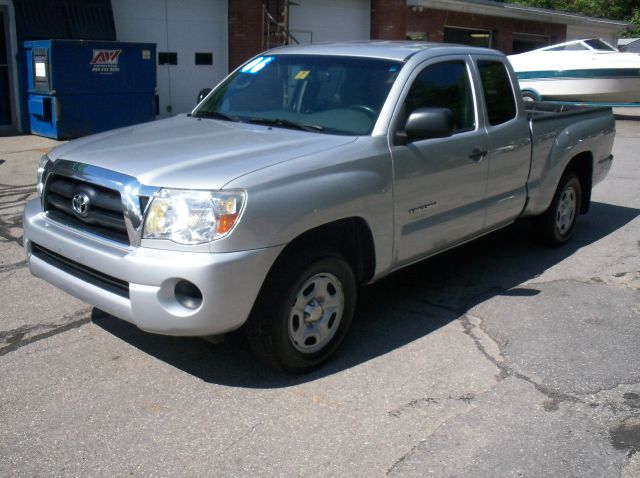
(167, 58)
(204, 58)
(468, 36)
(523, 42)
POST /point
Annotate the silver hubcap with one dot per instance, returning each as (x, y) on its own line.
(566, 212)
(316, 312)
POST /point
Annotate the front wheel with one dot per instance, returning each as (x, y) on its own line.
(556, 226)
(303, 312)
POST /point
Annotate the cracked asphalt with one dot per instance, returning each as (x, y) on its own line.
(501, 358)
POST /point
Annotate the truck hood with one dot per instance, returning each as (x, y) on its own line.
(186, 152)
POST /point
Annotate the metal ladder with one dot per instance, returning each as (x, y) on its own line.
(275, 24)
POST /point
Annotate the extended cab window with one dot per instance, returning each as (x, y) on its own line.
(498, 93)
(444, 85)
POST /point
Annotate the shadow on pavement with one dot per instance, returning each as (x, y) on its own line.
(395, 311)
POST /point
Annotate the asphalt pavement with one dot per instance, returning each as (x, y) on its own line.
(501, 358)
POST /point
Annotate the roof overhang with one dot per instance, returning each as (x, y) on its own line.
(521, 12)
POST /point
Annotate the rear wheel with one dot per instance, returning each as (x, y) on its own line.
(303, 312)
(556, 226)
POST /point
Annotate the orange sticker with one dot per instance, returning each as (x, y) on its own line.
(302, 74)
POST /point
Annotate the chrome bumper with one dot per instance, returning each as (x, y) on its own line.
(229, 282)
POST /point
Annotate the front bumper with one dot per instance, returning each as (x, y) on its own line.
(229, 282)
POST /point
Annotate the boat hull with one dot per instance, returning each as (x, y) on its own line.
(583, 76)
(597, 89)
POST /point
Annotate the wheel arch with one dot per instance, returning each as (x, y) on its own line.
(549, 176)
(351, 237)
(582, 166)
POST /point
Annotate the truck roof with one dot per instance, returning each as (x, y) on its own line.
(391, 50)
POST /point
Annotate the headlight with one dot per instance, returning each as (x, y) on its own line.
(192, 217)
(44, 164)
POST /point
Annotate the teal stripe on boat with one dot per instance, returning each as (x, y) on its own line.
(594, 73)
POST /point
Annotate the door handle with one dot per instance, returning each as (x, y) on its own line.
(478, 155)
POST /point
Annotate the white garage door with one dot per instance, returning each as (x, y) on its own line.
(314, 21)
(191, 38)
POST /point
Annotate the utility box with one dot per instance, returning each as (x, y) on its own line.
(78, 87)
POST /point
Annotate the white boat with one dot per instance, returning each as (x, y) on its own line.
(588, 70)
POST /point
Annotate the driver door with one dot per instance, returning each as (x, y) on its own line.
(439, 183)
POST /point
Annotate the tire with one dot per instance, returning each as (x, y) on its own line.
(303, 312)
(529, 96)
(558, 223)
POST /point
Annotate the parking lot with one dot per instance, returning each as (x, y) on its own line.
(501, 358)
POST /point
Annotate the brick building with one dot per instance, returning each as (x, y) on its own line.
(507, 27)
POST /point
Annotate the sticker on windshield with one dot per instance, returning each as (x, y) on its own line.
(302, 74)
(256, 65)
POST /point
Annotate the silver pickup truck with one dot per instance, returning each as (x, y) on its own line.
(308, 171)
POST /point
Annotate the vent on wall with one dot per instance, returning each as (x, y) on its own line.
(167, 58)
(204, 58)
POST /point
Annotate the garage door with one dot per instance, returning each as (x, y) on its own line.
(313, 21)
(191, 38)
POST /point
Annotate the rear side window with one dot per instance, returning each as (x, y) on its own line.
(498, 94)
(444, 85)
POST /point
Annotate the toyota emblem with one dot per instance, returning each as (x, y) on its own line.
(80, 204)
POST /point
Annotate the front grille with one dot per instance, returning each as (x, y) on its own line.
(92, 276)
(104, 215)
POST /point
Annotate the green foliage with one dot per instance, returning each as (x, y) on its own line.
(634, 31)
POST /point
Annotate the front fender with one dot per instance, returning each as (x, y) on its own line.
(288, 199)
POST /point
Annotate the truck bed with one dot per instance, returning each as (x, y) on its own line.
(541, 111)
(559, 132)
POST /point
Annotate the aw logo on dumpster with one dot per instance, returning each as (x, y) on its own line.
(105, 61)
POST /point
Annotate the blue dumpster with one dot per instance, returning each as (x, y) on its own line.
(78, 87)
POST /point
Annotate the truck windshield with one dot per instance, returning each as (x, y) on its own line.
(318, 93)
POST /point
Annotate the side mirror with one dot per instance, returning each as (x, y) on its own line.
(203, 92)
(426, 123)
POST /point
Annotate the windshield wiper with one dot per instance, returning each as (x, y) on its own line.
(216, 115)
(285, 124)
